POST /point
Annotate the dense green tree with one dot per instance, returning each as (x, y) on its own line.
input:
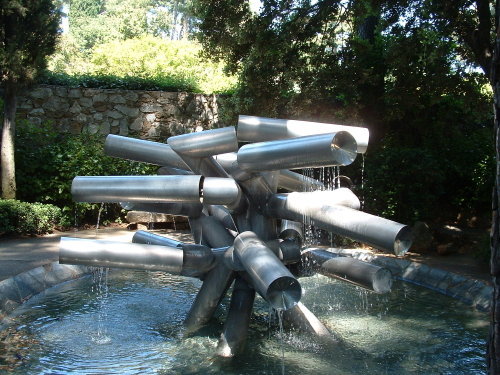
(93, 22)
(28, 34)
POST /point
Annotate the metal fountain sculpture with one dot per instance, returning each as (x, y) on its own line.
(230, 196)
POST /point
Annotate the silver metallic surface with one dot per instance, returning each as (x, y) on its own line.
(269, 276)
(177, 209)
(213, 289)
(234, 335)
(222, 213)
(258, 129)
(224, 191)
(205, 143)
(292, 230)
(214, 232)
(167, 171)
(293, 181)
(143, 151)
(300, 317)
(304, 152)
(360, 226)
(149, 238)
(136, 189)
(352, 270)
(114, 254)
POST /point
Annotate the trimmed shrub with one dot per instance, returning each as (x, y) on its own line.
(18, 217)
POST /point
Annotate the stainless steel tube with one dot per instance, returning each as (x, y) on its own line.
(149, 238)
(143, 151)
(269, 276)
(300, 317)
(292, 230)
(136, 189)
(214, 232)
(178, 209)
(217, 280)
(293, 181)
(234, 335)
(171, 171)
(205, 143)
(224, 191)
(378, 232)
(307, 203)
(120, 255)
(223, 215)
(215, 285)
(198, 260)
(352, 270)
(258, 129)
(304, 152)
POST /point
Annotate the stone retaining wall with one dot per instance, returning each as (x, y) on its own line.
(153, 115)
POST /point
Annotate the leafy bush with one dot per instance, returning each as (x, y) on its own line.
(47, 161)
(146, 63)
(446, 176)
(27, 218)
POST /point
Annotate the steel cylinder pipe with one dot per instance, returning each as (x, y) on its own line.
(360, 226)
(143, 151)
(205, 143)
(149, 238)
(259, 129)
(177, 209)
(182, 189)
(113, 254)
(304, 152)
(354, 271)
(293, 181)
(269, 276)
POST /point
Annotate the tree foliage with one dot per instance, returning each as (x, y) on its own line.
(157, 63)
(94, 22)
(413, 72)
(28, 34)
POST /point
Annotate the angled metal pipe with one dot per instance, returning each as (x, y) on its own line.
(354, 271)
(182, 189)
(269, 276)
(306, 203)
(300, 317)
(258, 129)
(304, 152)
(234, 334)
(214, 232)
(360, 226)
(216, 281)
(293, 181)
(166, 171)
(222, 213)
(115, 254)
(205, 143)
(292, 230)
(149, 238)
(177, 209)
(143, 151)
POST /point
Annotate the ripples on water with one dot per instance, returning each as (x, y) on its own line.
(410, 331)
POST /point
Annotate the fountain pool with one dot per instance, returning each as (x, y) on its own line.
(132, 324)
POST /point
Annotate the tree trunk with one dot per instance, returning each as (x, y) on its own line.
(7, 150)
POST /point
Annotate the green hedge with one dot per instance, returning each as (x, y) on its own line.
(18, 217)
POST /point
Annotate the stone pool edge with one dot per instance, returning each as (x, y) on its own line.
(20, 288)
(472, 292)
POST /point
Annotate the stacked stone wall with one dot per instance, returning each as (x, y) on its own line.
(153, 115)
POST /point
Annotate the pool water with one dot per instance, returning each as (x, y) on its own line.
(130, 322)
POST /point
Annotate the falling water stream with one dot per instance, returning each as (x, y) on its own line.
(409, 331)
